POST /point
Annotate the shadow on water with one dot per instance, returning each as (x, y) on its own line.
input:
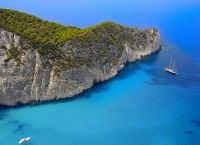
(3, 113)
(187, 70)
(132, 68)
(18, 127)
(163, 78)
(129, 70)
(195, 122)
(189, 132)
(169, 80)
(97, 88)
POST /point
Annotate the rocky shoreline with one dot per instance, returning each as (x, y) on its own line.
(32, 82)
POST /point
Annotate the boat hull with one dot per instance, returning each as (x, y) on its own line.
(170, 71)
(24, 140)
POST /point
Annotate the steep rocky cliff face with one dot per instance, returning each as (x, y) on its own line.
(31, 77)
(26, 79)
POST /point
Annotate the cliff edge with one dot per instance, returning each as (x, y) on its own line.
(42, 61)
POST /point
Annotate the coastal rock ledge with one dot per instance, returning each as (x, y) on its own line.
(31, 72)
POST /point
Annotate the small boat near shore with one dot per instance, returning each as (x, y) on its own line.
(171, 68)
(23, 140)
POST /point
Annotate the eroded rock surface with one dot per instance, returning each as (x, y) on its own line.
(26, 76)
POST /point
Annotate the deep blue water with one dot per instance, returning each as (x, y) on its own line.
(142, 105)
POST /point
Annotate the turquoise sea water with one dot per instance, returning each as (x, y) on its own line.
(142, 105)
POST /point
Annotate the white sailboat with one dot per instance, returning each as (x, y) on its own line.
(23, 140)
(171, 68)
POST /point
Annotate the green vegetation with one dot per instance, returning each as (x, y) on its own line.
(103, 43)
(48, 34)
(3, 47)
(13, 53)
(34, 29)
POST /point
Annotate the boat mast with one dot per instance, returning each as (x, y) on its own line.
(170, 62)
(175, 66)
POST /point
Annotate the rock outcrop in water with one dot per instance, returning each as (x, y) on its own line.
(32, 72)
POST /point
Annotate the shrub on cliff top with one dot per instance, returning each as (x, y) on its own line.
(47, 34)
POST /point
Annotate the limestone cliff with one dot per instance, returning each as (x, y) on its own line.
(29, 75)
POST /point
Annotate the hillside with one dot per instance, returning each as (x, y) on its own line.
(41, 60)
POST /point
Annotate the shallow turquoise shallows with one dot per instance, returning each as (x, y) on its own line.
(142, 105)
